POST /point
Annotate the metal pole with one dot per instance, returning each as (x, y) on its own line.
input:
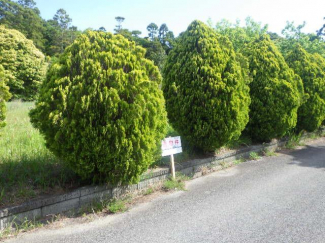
(172, 166)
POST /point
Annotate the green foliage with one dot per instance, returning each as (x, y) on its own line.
(295, 35)
(207, 96)
(24, 65)
(166, 38)
(27, 167)
(154, 51)
(239, 161)
(119, 20)
(149, 191)
(4, 96)
(311, 69)
(238, 35)
(156, 47)
(24, 17)
(321, 31)
(176, 184)
(101, 110)
(13, 228)
(240, 142)
(153, 31)
(59, 33)
(27, 3)
(116, 206)
(276, 92)
(269, 152)
(254, 156)
(294, 140)
(51, 36)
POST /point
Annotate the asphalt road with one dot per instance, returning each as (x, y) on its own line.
(275, 199)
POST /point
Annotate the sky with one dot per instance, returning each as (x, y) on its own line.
(178, 14)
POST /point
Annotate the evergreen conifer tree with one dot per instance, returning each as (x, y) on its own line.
(24, 64)
(101, 109)
(206, 91)
(312, 113)
(276, 91)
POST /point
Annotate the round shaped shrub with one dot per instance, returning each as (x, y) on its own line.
(276, 92)
(4, 96)
(101, 109)
(24, 64)
(311, 114)
(207, 96)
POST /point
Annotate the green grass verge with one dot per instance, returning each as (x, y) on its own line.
(254, 156)
(176, 184)
(27, 168)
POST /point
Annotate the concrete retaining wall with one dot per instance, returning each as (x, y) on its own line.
(41, 208)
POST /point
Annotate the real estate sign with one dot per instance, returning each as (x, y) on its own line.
(171, 145)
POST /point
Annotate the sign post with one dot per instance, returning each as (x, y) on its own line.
(172, 166)
(171, 146)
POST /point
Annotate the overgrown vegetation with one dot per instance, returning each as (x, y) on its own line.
(254, 156)
(27, 168)
(269, 153)
(13, 229)
(176, 184)
(116, 206)
(238, 161)
(293, 140)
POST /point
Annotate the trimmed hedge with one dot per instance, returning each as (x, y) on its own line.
(276, 92)
(207, 95)
(101, 109)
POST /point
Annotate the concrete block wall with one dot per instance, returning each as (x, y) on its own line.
(41, 208)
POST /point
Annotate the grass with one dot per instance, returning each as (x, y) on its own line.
(242, 141)
(294, 141)
(239, 161)
(254, 156)
(14, 229)
(176, 184)
(27, 168)
(269, 153)
(109, 206)
(224, 165)
(116, 206)
(149, 191)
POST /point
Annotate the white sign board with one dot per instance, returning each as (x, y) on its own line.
(171, 145)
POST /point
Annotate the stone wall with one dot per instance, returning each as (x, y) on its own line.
(40, 208)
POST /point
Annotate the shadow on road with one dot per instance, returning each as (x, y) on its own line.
(309, 156)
